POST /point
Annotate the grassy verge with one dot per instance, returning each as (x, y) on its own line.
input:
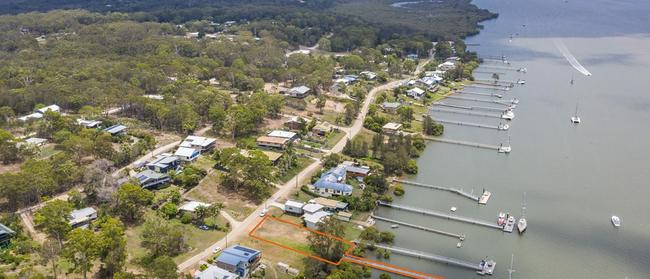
(302, 164)
(333, 138)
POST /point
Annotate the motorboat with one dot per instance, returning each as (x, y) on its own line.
(453, 209)
(508, 115)
(501, 220)
(521, 81)
(521, 225)
(394, 226)
(575, 119)
(522, 70)
(616, 221)
(505, 149)
(504, 127)
(510, 224)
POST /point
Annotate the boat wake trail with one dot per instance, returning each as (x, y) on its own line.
(570, 58)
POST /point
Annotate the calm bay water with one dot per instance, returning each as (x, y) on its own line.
(575, 177)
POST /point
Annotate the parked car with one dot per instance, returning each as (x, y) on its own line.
(204, 227)
(264, 211)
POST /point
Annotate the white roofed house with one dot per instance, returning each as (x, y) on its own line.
(187, 154)
(89, 123)
(415, 93)
(391, 128)
(191, 206)
(54, 108)
(81, 218)
(283, 134)
(312, 220)
(299, 91)
(294, 207)
(164, 163)
(35, 141)
(446, 66)
(202, 144)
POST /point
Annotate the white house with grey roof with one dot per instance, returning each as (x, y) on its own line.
(299, 91)
(81, 218)
(202, 144)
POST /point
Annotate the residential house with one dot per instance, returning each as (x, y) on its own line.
(296, 123)
(330, 205)
(239, 260)
(6, 234)
(312, 220)
(151, 179)
(294, 207)
(312, 208)
(35, 141)
(390, 107)
(163, 163)
(191, 206)
(274, 157)
(273, 142)
(332, 183)
(187, 154)
(344, 216)
(116, 130)
(446, 66)
(154, 97)
(298, 92)
(357, 171)
(36, 115)
(283, 134)
(215, 272)
(322, 129)
(428, 82)
(369, 75)
(53, 108)
(415, 93)
(391, 128)
(90, 124)
(201, 144)
(81, 218)
(347, 79)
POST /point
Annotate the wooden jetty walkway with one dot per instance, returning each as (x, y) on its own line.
(466, 113)
(502, 88)
(442, 215)
(476, 125)
(448, 189)
(505, 68)
(480, 94)
(464, 143)
(442, 104)
(494, 83)
(501, 102)
(389, 267)
(432, 257)
(489, 72)
(461, 237)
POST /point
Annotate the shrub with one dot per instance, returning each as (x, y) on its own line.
(186, 218)
(399, 190)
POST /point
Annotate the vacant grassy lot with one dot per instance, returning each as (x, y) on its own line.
(211, 191)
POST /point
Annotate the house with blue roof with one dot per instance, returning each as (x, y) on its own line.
(239, 260)
(332, 183)
(6, 234)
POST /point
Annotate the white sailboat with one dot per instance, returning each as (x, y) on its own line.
(522, 224)
(506, 148)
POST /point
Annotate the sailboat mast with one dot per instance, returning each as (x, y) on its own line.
(523, 206)
(510, 270)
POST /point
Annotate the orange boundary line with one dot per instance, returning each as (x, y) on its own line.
(352, 258)
(352, 244)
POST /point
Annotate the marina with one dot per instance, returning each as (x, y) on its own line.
(443, 215)
(460, 237)
(449, 189)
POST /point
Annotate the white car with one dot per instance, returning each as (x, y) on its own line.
(263, 212)
(216, 249)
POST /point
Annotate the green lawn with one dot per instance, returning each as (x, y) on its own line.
(204, 162)
(333, 138)
(302, 164)
(47, 151)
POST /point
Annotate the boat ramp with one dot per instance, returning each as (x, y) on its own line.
(442, 215)
(461, 237)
